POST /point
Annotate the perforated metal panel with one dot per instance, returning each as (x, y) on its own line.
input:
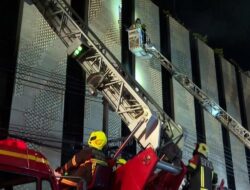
(184, 112)
(30, 52)
(180, 47)
(232, 104)
(93, 115)
(95, 8)
(148, 72)
(105, 20)
(37, 105)
(246, 93)
(212, 126)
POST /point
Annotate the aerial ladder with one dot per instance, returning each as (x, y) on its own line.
(153, 129)
(147, 121)
(147, 50)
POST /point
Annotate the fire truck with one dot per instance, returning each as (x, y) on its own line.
(22, 166)
(159, 137)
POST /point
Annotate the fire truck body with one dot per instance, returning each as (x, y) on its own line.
(20, 165)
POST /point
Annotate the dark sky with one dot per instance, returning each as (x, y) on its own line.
(225, 22)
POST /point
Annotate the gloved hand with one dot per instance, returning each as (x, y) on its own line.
(57, 174)
(60, 170)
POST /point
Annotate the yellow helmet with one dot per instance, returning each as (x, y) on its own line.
(202, 148)
(97, 139)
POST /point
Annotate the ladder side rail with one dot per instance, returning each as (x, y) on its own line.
(216, 111)
(63, 29)
(97, 44)
(69, 40)
(98, 47)
(116, 64)
(209, 105)
(168, 125)
(112, 90)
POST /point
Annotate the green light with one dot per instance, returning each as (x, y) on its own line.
(78, 51)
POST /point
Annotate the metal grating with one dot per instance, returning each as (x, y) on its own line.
(95, 8)
(108, 12)
(31, 51)
(37, 105)
(148, 72)
(93, 115)
(212, 126)
(232, 104)
(184, 112)
(246, 93)
(114, 125)
(180, 47)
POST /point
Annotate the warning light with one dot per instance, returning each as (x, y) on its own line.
(77, 51)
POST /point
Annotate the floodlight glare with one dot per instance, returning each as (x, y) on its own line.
(215, 111)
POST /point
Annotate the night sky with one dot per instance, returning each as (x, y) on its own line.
(225, 22)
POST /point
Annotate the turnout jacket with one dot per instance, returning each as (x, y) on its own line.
(201, 175)
(83, 164)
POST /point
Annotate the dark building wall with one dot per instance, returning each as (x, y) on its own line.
(38, 104)
(127, 60)
(148, 71)
(104, 18)
(38, 98)
(11, 15)
(74, 98)
(183, 102)
(246, 95)
(232, 107)
(213, 131)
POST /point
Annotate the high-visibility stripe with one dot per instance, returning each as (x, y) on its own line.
(23, 156)
(101, 162)
(192, 165)
(74, 161)
(202, 177)
(69, 182)
(94, 162)
(93, 168)
(86, 162)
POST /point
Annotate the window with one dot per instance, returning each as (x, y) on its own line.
(10, 180)
(46, 185)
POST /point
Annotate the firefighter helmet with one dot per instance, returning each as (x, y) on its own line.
(97, 139)
(202, 148)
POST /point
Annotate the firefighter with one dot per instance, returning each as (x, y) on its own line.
(83, 163)
(201, 175)
(141, 26)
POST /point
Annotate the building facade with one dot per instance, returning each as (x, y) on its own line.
(48, 107)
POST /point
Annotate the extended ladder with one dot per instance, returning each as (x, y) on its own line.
(209, 105)
(104, 73)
